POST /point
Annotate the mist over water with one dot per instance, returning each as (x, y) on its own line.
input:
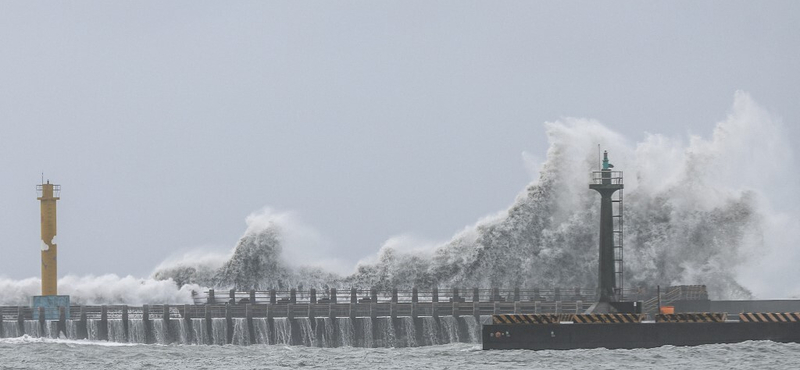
(697, 211)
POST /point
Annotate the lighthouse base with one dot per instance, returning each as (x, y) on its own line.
(51, 305)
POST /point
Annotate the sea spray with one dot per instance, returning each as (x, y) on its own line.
(696, 212)
(690, 218)
(100, 290)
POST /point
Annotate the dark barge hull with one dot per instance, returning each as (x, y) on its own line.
(629, 336)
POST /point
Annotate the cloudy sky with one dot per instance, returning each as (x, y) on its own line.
(167, 123)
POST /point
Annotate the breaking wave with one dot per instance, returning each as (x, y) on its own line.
(98, 290)
(695, 213)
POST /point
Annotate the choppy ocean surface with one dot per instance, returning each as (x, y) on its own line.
(39, 353)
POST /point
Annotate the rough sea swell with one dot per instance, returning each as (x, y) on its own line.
(697, 211)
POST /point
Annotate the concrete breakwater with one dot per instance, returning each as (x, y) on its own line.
(368, 318)
(140, 327)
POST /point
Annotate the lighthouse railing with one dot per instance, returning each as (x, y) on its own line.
(606, 177)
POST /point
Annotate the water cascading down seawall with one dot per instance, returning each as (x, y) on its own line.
(175, 325)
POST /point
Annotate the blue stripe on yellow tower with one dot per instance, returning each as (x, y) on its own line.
(48, 195)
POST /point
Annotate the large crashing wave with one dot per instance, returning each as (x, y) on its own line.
(693, 215)
(99, 290)
(696, 212)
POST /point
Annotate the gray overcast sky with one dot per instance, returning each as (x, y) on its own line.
(167, 123)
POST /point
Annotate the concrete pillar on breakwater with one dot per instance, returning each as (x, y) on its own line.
(476, 311)
(393, 311)
(394, 295)
(358, 335)
(294, 328)
(210, 299)
(209, 327)
(516, 295)
(353, 296)
(455, 297)
(42, 322)
(248, 315)
(125, 326)
(102, 328)
(83, 332)
(516, 308)
(435, 314)
(557, 294)
(165, 319)
(373, 295)
(311, 317)
(62, 322)
(273, 296)
(271, 324)
(456, 309)
(333, 295)
(20, 320)
(476, 295)
(414, 295)
(312, 296)
(187, 322)
(373, 317)
(293, 296)
(335, 325)
(435, 295)
(558, 306)
(149, 338)
(229, 323)
(252, 296)
(232, 296)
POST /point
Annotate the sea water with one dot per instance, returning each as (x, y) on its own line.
(45, 353)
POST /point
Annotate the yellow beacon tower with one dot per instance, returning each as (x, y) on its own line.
(50, 305)
(48, 195)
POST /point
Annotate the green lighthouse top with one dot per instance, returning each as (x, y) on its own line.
(606, 166)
